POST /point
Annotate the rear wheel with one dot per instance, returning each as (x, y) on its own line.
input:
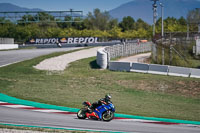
(108, 116)
(81, 114)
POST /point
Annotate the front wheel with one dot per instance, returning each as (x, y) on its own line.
(81, 114)
(108, 116)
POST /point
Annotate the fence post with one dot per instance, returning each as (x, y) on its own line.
(170, 55)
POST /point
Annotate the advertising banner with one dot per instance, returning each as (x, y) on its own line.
(69, 40)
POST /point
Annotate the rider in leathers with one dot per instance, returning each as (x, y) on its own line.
(105, 100)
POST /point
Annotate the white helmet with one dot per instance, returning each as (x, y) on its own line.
(108, 96)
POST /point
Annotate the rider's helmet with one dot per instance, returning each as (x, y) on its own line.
(108, 97)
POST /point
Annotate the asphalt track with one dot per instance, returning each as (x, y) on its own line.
(26, 117)
(31, 118)
(13, 56)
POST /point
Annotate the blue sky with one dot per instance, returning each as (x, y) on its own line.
(65, 5)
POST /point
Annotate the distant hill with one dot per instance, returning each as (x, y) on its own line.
(143, 9)
(7, 7)
(136, 9)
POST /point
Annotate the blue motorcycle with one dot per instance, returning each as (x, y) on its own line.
(104, 112)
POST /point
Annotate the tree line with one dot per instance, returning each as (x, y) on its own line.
(96, 24)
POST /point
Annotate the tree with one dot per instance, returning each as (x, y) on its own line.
(193, 17)
(171, 24)
(115, 33)
(4, 30)
(127, 23)
(141, 24)
(182, 21)
(42, 16)
(78, 24)
(27, 19)
(3, 20)
(97, 20)
(67, 24)
(112, 23)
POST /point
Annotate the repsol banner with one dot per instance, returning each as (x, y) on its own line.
(69, 40)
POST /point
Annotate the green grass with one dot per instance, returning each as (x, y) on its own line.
(133, 93)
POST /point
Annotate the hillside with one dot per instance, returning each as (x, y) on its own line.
(136, 9)
(7, 7)
(143, 9)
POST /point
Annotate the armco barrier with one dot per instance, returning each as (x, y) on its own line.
(140, 67)
(195, 73)
(158, 69)
(179, 71)
(119, 66)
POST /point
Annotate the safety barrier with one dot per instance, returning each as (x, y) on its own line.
(139, 67)
(102, 58)
(179, 71)
(195, 73)
(123, 50)
(120, 50)
(8, 46)
(105, 54)
(158, 69)
(119, 66)
(155, 69)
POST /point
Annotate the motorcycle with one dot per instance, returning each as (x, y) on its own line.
(104, 112)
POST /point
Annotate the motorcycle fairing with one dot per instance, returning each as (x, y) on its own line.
(101, 109)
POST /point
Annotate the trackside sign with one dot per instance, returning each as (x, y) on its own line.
(69, 40)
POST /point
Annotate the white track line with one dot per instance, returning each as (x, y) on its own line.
(32, 108)
(16, 106)
(48, 110)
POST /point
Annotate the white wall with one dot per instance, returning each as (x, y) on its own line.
(8, 46)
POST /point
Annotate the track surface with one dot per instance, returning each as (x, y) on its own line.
(12, 56)
(26, 117)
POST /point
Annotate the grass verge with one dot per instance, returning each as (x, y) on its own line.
(133, 93)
